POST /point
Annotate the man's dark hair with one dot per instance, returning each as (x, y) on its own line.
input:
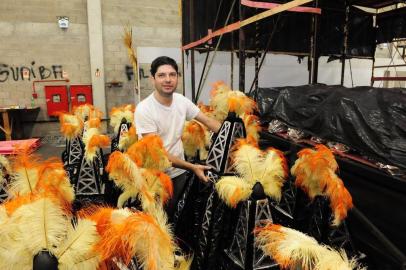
(160, 61)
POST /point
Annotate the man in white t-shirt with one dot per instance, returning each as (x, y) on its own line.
(164, 113)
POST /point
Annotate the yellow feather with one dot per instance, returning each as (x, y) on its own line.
(291, 249)
(76, 252)
(40, 225)
(295, 250)
(252, 126)
(90, 153)
(5, 167)
(273, 175)
(219, 101)
(184, 263)
(23, 180)
(87, 111)
(126, 140)
(129, 192)
(71, 125)
(13, 254)
(13, 257)
(3, 215)
(151, 239)
(93, 141)
(247, 161)
(336, 260)
(195, 137)
(233, 189)
(118, 114)
(126, 174)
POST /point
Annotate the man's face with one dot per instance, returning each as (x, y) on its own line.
(165, 80)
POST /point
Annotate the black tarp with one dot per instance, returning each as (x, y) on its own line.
(370, 120)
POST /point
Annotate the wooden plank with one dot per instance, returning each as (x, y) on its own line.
(267, 5)
(6, 125)
(274, 11)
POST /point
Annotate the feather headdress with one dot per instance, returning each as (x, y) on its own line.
(195, 138)
(253, 165)
(117, 115)
(150, 185)
(127, 175)
(125, 234)
(292, 249)
(93, 141)
(25, 170)
(315, 174)
(71, 125)
(87, 111)
(30, 176)
(39, 224)
(224, 100)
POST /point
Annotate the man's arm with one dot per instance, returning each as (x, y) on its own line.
(209, 122)
(195, 168)
(183, 164)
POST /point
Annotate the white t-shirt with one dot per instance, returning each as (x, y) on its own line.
(153, 117)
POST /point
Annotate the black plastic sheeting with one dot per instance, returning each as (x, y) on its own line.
(371, 121)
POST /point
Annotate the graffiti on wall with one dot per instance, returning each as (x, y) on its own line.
(129, 72)
(21, 73)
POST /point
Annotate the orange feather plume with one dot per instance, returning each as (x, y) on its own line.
(53, 175)
(252, 126)
(150, 153)
(101, 215)
(195, 138)
(25, 167)
(315, 174)
(126, 174)
(94, 123)
(71, 125)
(224, 100)
(93, 142)
(159, 187)
(87, 111)
(45, 192)
(130, 234)
(239, 103)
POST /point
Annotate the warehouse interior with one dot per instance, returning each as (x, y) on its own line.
(306, 170)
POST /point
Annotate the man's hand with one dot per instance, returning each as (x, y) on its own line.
(199, 171)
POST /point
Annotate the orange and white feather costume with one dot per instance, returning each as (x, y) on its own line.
(253, 165)
(117, 114)
(293, 250)
(315, 174)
